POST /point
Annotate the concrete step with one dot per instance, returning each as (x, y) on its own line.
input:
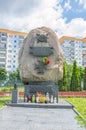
(60, 104)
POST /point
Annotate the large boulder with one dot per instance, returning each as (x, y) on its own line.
(40, 57)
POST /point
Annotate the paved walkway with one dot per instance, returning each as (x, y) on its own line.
(23, 118)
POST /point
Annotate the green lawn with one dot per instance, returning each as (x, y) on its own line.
(9, 89)
(3, 100)
(80, 105)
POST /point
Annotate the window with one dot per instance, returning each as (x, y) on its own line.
(10, 35)
(9, 66)
(9, 61)
(2, 60)
(21, 37)
(10, 46)
(14, 45)
(15, 41)
(3, 39)
(9, 50)
(4, 34)
(2, 65)
(2, 54)
(2, 45)
(13, 66)
(9, 56)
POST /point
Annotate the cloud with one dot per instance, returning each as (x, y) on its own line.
(28, 16)
(18, 7)
(24, 15)
(76, 28)
(67, 5)
(83, 3)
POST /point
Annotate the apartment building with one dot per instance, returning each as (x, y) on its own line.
(10, 42)
(84, 52)
(74, 49)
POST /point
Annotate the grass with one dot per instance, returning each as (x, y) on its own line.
(9, 89)
(80, 105)
(3, 100)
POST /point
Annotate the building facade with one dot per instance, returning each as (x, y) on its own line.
(74, 49)
(10, 42)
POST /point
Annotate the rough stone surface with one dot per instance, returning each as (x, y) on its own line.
(27, 61)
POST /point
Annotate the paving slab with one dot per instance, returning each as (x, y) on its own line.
(24, 118)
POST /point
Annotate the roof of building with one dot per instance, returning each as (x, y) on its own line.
(13, 32)
(62, 39)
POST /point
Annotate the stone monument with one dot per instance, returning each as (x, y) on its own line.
(15, 94)
(40, 62)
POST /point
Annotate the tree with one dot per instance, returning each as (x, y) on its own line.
(14, 76)
(17, 74)
(3, 74)
(65, 78)
(84, 77)
(75, 78)
(63, 83)
(81, 72)
(69, 74)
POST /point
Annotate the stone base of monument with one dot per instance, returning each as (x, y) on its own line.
(48, 89)
(36, 90)
(59, 105)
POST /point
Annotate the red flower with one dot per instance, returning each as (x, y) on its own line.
(48, 61)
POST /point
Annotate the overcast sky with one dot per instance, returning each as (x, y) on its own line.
(65, 17)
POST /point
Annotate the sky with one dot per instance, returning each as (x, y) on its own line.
(65, 17)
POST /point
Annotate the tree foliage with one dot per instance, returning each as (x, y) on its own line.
(63, 83)
(72, 77)
(14, 76)
(3, 74)
(75, 78)
(84, 77)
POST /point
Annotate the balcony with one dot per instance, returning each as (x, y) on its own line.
(3, 34)
(3, 50)
(2, 65)
(2, 56)
(3, 41)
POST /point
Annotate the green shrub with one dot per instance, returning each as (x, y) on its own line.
(7, 89)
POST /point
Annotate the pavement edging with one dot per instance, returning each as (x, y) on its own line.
(76, 111)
